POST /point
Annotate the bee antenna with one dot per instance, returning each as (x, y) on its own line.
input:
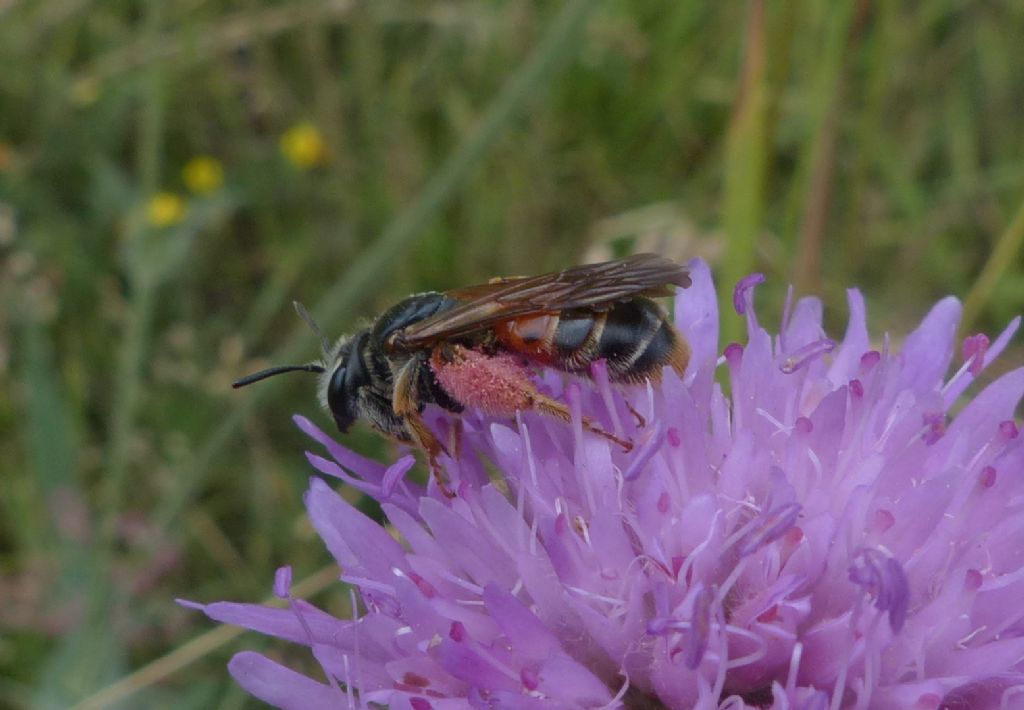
(270, 372)
(325, 344)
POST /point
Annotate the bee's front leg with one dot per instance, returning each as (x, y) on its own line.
(406, 404)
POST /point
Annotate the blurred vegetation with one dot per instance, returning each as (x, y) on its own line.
(174, 173)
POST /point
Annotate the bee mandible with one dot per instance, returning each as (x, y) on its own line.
(473, 347)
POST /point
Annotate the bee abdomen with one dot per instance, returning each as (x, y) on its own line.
(638, 340)
(635, 337)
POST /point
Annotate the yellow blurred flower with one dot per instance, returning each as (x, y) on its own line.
(304, 145)
(165, 209)
(84, 92)
(203, 174)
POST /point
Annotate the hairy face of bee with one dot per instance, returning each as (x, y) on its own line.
(349, 377)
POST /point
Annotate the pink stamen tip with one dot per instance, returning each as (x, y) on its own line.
(803, 425)
(742, 298)
(790, 542)
(420, 704)
(987, 477)
(972, 579)
(733, 354)
(936, 423)
(283, 582)
(856, 388)
(1009, 429)
(882, 520)
(973, 350)
(415, 680)
(425, 587)
(529, 678)
(457, 631)
(674, 439)
(663, 502)
(868, 360)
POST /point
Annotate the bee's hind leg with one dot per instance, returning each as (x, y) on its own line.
(406, 404)
(640, 421)
(554, 408)
(499, 385)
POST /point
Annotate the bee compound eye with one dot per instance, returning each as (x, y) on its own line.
(341, 399)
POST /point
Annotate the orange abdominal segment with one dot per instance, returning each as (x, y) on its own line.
(497, 385)
(531, 335)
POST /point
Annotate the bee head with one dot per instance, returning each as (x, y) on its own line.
(341, 373)
(355, 381)
(342, 383)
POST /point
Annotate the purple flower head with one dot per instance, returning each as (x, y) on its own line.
(828, 535)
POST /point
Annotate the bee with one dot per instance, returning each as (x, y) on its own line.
(474, 347)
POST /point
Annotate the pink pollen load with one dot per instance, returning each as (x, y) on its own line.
(498, 385)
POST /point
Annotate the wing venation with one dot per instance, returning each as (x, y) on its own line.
(587, 286)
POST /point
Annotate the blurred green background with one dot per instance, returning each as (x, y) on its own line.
(174, 173)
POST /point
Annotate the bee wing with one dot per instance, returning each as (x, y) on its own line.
(588, 286)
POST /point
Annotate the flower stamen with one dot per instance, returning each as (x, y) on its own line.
(770, 526)
(806, 354)
(882, 577)
(742, 295)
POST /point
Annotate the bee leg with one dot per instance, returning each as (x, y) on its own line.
(499, 385)
(433, 448)
(640, 421)
(455, 439)
(554, 408)
(406, 405)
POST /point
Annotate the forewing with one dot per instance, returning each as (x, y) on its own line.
(588, 286)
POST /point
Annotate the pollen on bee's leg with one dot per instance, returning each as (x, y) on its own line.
(497, 385)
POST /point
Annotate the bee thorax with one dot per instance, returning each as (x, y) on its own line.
(497, 384)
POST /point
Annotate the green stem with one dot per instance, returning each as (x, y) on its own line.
(128, 386)
(1003, 257)
(126, 401)
(746, 159)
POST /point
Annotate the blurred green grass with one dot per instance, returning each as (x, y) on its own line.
(827, 144)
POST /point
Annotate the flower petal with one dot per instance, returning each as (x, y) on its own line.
(696, 315)
(929, 349)
(360, 545)
(282, 687)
